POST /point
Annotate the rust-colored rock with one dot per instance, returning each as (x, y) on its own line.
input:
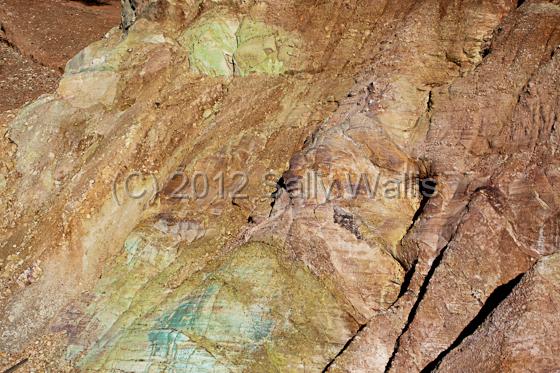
(37, 38)
(524, 327)
(290, 186)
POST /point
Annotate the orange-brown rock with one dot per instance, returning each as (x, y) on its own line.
(492, 143)
(290, 186)
(37, 38)
(523, 328)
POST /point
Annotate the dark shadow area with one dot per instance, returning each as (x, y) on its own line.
(280, 185)
(407, 279)
(346, 345)
(494, 300)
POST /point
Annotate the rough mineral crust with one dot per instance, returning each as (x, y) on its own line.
(295, 186)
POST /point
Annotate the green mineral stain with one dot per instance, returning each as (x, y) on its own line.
(182, 356)
(213, 315)
(175, 352)
(170, 344)
(72, 351)
(188, 315)
(109, 54)
(260, 327)
(220, 45)
(197, 316)
(131, 246)
(166, 344)
(251, 311)
(211, 43)
(261, 48)
(149, 248)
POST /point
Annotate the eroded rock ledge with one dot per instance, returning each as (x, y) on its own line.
(113, 261)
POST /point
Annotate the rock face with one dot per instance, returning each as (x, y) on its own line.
(245, 186)
(38, 37)
(524, 326)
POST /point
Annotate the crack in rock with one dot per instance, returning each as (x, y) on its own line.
(422, 292)
(346, 345)
(16, 366)
(419, 299)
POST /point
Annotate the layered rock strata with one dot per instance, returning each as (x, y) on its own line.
(341, 186)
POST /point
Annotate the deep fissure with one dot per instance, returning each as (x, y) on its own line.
(407, 279)
(16, 366)
(280, 185)
(494, 300)
(422, 292)
(430, 103)
(419, 299)
(428, 189)
(346, 345)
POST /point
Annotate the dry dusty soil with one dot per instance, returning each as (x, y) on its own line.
(38, 37)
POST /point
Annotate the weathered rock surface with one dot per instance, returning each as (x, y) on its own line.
(524, 328)
(38, 37)
(51, 32)
(236, 186)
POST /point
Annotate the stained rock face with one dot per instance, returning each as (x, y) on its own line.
(290, 186)
(523, 327)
